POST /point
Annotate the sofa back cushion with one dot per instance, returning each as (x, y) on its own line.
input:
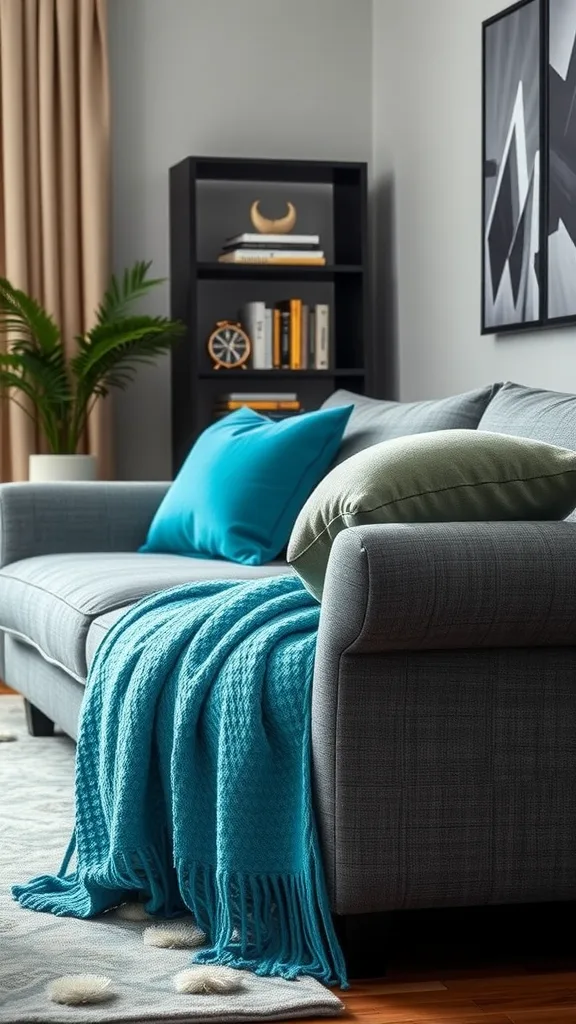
(532, 412)
(373, 421)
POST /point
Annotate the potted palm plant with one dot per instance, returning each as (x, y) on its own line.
(59, 392)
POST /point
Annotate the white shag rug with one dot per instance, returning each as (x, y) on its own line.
(146, 980)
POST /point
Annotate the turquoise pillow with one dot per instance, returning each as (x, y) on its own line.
(243, 484)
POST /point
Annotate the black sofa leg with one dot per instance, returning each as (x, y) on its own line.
(365, 941)
(38, 723)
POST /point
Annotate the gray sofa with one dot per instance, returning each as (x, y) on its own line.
(444, 700)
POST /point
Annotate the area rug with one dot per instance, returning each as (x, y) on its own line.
(36, 817)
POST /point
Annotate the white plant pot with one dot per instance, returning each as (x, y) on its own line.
(53, 468)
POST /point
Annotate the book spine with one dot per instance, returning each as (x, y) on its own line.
(254, 319)
(305, 260)
(322, 337)
(276, 249)
(276, 344)
(295, 335)
(304, 322)
(268, 332)
(273, 240)
(312, 339)
(233, 406)
(259, 396)
(285, 339)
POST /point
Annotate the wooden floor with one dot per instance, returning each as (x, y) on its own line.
(494, 966)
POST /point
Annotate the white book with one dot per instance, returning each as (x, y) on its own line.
(268, 355)
(254, 320)
(263, 255)
(287, 239)
(322, 337)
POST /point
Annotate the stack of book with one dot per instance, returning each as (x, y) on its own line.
(276, 405)
(287, 250)
(291, 335)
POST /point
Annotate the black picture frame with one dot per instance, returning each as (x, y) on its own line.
(560, 181)
(514, 166)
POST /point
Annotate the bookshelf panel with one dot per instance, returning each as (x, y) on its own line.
(210, 200)
(255, 272)
(288, 171)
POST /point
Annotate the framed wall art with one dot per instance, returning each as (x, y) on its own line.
(560, 196)
(514, 133)
(529, 167)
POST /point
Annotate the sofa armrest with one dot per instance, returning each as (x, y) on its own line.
(441, 586)
(49, 519)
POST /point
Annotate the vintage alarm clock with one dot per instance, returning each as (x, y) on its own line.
(229, 346)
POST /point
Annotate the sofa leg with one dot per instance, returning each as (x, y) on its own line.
(38, 723)
(365, 942)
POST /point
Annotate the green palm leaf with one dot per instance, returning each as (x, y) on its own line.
(23, 315)
(123, 292)
(62, 392)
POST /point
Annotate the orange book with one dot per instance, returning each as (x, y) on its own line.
(295, 334)
(262, 405)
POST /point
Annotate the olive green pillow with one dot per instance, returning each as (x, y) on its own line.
(439, 477)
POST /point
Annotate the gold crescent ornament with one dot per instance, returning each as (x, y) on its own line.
(265, 226)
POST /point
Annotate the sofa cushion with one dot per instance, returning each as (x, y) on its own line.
(99, 628)
(532, 412)
(373, 421)
(443, 476)
(51, 600)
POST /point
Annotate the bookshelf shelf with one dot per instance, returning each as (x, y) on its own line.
(332, 201)
(256, 272)
(222, 375)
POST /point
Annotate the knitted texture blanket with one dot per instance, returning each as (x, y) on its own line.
(193, 786)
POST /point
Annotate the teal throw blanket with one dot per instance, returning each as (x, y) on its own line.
(193, 784)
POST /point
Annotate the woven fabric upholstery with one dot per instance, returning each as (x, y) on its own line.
(373, 421)
(51, 600)
(47, 686)
(445, 778)
(453, 585)
(47, 519)
(442, 735)
(531, 412)
(98, 630)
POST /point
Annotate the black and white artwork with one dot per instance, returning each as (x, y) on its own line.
(561, 184)
(512, 149)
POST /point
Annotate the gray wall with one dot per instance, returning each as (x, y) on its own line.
(427, 169)
(273, 78)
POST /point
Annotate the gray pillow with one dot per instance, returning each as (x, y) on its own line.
(532, 412)
(373, 421)
(548, 416)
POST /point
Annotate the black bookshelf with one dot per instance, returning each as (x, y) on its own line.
(203, 290)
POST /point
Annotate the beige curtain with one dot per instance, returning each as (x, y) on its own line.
(54, 182)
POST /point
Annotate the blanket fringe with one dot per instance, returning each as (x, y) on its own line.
(273, 925)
